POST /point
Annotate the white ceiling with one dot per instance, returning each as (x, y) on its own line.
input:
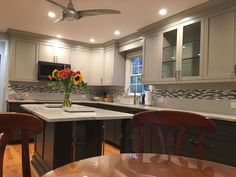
(31, 16)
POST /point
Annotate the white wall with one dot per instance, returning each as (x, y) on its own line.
(3, 73)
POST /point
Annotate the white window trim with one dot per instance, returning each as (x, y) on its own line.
(128, 70)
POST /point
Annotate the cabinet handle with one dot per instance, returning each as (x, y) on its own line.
(101, 80)
(176, 75)
(234, 70)
(195, 142)
(179, 75)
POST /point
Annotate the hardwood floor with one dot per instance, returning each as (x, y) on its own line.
(12, 159)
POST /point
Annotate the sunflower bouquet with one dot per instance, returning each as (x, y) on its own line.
(66, 80)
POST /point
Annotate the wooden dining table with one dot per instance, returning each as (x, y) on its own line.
(142, 165)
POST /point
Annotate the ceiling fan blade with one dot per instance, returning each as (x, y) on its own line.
(59, 20)
(85, 13)
(57, 4)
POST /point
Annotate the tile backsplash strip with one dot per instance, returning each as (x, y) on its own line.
(41, 91)
(210, 94)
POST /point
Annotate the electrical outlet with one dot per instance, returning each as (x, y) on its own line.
(83, 96)
(233, 104)
(160, 100)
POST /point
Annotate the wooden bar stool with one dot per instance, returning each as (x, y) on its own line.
(10, 123)
(171, 127)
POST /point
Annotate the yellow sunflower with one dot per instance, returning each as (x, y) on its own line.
(54, 73)
(77, 78)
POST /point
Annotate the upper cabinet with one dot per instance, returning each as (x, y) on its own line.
(81, 61)
(23, 60)
(181, 52)
(54, 53)
(114, 67)
(107, 67)
(96, 68)
(151, 59)
(220, 46)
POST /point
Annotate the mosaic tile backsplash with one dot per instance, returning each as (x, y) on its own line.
(196, 94)
(211, 94)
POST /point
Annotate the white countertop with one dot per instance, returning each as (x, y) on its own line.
(216, 116)
(59, 115)
(225, 117)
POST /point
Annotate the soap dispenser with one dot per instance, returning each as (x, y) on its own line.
(148, 98)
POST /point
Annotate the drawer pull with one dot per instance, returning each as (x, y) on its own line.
(195, 142)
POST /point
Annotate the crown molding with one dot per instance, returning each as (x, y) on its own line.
(19, 33)
(4, 36)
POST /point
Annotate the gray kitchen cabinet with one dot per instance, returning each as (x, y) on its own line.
(96, 67)
(220, 46)
(81, 61)
(114, 67)
(107, 66)
(54, 52)
(181, 52)
(23, 53)
(218, 146)
(151, 73)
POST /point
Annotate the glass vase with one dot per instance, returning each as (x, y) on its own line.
(67, 101)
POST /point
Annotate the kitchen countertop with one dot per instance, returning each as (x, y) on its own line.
(59, 115)
(216, 116)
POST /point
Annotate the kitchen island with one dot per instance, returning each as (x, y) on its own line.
(71, 136)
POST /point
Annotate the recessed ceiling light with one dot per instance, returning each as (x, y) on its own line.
(163, 12)
(117, 32)
(59, 36)
(51, 14)
(92, 40)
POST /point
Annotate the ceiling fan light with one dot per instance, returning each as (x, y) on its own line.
(51, 14)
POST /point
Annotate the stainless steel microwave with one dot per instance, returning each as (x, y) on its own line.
(46, 68)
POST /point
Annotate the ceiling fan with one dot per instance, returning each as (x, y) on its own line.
(69, 13)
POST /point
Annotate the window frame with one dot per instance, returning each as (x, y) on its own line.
(128, 70)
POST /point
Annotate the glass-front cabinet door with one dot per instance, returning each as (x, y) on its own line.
(191, 50)
(169, 54)
(181, 52)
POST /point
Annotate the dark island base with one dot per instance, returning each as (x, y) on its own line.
(64, 142)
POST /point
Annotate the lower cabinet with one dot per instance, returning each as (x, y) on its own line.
(15, 107)
(218, 146)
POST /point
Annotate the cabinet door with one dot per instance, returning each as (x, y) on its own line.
(96, 69)
(24, 60)
(220, 40)
(46, 52)
(62, 54)
(81, 61)
(151, 60)
(191, 50)
(108, 67)
(169, 54)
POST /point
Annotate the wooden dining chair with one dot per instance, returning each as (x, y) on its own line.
(171, 128)
(11, 123)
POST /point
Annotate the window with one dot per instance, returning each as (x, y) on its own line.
(134, 69)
